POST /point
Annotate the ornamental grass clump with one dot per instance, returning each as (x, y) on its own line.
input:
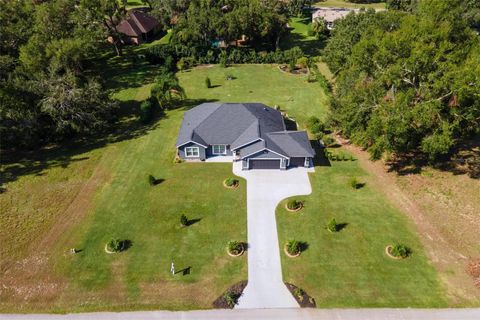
(115, 245)
(332, 225)
(400, 251)
(231, 182)
(294, 204)
(230, 298)
(234, 247)
(293, 247)
(183, 220)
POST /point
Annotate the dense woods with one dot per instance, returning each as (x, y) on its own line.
(407, 82)
(407, 79)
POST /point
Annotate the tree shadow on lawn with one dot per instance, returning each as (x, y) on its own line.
(125, 125)
(310, 47)
(341, 226)
(191, 222)
(463, 159)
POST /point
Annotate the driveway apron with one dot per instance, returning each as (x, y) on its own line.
(265, 189)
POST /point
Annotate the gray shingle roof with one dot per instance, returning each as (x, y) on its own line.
(238, 124)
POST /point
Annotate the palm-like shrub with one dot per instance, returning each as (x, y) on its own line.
(183, 220)
(332, 225)
(208, 83)
(230, 298)
(115, 245)
(400, 251)
(146, 111)
(294, 204)
(353, 182)
(234, 247)
(293, 247)
(230, 182)
(151, 180)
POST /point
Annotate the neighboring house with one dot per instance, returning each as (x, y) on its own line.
(138, 27)
(249, 132)
(330, 15)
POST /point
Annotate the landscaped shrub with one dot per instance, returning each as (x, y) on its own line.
(293, 247)
(400, 251)
(302, 62)
(229, 77)
(146, 111)
(208, 83)
(298, 292)
(234, 247)
(115, 245)
(328, 141)
(183, 220)
(230, 298)
(332, 225)
(353, 182)
(231, 182)
(151, 180)
(292, 65)
(294, 204)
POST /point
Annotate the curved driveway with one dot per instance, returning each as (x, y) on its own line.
(265, 189)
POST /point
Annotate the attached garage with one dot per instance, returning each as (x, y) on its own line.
(297, 162)
(264, 164)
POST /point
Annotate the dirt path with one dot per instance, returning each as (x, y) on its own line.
(447, 260)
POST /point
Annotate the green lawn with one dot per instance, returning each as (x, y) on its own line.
(298, 37)
(346, 4)
(258, 83)
(350, 268)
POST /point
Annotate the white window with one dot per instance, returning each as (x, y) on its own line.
(219, 149)
(192, 152)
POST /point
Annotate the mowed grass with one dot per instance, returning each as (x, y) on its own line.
(149, 216)
(347, 4)
(349, 268)
(258, 83)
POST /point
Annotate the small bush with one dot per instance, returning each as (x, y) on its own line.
(293, 247)
(353, 182)
(291, 65)
(400, 251)
(151, 180)
(183, 220)
(293, 204)
(230, 298)
(230, 182)
(302, 62)
(146, 111)
(332, 225)
(115, 245)
(208, 83)
(234, 247)
(229, 77)
(298, 292)
(328, 141)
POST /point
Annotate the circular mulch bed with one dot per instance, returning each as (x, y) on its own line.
(304, 300)
(290, 255)
(238, 254)
(295, 71)
(112, 252)
(236, 289)
(232, 186)
(300, 207)
(388, 250)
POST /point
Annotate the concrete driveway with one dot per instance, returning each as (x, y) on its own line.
(265, 189)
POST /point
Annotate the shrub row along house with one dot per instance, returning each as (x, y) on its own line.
(249, 132)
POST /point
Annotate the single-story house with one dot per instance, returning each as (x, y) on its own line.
(138, 27)
(249, 132)
(330, 15)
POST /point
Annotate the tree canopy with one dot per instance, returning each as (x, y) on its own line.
(407, 82)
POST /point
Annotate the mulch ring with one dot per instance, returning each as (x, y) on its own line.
(295, 71)
(237, 289)
(388, 252)
(304, 300)
(300, 207)
(234, 186)
(473, 269)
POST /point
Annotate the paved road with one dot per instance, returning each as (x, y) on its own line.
(267, 314)
(265, 189)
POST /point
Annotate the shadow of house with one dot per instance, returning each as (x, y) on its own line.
(320, 160)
